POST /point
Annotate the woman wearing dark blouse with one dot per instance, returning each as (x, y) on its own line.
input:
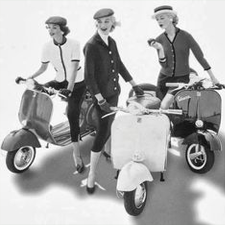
(173, 47)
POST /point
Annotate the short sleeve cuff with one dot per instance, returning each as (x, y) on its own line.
(207, 68)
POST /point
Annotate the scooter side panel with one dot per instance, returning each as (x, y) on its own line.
(36, 111)
(18, 138)
(205, 104)
(145, 135)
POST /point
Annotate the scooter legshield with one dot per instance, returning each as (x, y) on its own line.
(19, 138)
(131, 175)
(146, 136)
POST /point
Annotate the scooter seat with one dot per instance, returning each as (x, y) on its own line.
(147, 100)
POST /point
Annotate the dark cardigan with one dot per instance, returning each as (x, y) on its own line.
(177, 53)
(103, 66)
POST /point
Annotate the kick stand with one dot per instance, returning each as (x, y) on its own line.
(117, 174)
(162, 177)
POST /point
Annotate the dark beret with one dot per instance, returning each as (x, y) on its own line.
(103, 13)
(56, 20)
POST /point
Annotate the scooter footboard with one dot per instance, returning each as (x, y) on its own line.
(145, 135)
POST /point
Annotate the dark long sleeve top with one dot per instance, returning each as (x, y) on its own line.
(177, 52)
(103, 66)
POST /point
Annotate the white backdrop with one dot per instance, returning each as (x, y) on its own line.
(22, 35)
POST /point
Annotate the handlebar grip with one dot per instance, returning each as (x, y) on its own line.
(172, 84)
(173, 111)
(19, 79)
(220, 86)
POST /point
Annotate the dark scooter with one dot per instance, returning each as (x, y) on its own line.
(35, 113)
(200, 122)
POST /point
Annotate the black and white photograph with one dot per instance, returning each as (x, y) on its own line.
(112, 112)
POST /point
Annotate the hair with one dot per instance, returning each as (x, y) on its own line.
(174, 17)
(65, 30)
(115, 23)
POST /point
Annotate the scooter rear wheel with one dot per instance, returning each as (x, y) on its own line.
(200, 160)
(134, 201)
(20, 160)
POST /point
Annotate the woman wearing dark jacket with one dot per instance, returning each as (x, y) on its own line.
(173, 47)
(103, 66)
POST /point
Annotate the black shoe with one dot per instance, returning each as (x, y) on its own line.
(80, 168)
(90, 190)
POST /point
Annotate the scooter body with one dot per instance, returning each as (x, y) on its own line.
(35, 115)
(198, 126)
(204, 105)
(139, 145)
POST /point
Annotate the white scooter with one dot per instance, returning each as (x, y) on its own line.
(140, 138)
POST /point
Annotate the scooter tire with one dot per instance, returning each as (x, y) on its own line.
(134, 203)
(20, 160)
(200, 164)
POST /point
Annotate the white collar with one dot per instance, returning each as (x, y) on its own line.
(104, 37)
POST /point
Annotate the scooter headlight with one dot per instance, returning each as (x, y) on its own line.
(199, 123)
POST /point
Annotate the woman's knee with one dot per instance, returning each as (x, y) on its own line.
(167, 101)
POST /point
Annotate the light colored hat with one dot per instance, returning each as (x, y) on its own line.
(163, 9)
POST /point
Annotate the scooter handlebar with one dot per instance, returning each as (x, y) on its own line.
(34, 85)
(194, 85)
(138, 109)
(165, 111)
(172, 84)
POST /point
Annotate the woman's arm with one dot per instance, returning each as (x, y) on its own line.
(212, 77)
(160, 51)
(41, 70)
(200, 57)
(75, 65)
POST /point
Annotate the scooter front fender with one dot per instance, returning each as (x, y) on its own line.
(19, 138)
(209, 136)
(131, 175)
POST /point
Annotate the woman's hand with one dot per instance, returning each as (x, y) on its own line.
(105, 106)
(153, 43)
(215, 81)
(157, 46)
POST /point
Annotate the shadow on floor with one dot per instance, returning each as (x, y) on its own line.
(169, 202)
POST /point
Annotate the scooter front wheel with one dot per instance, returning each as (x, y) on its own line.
(199, 158)
(21, 159)
(134, 201)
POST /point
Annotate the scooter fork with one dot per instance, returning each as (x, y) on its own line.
(198, 152)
